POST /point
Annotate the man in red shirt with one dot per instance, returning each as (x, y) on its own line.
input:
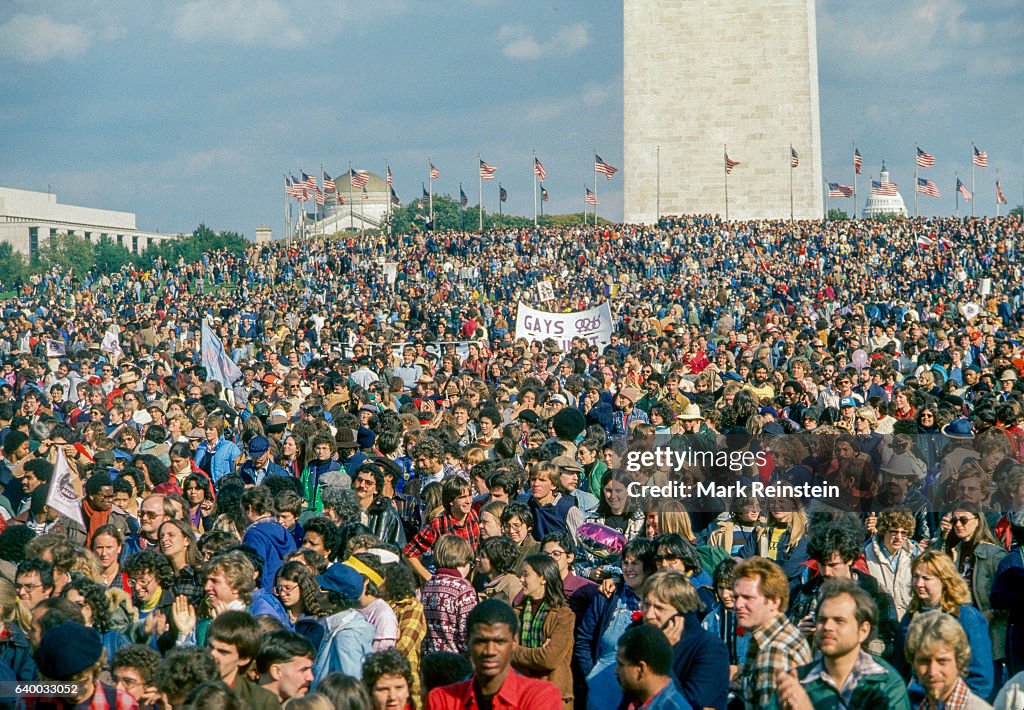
(491, 630)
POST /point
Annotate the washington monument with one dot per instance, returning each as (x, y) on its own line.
(706, 77)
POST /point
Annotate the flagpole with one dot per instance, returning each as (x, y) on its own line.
(997, 194)
(321, 210)
(534, 189)
(501, 222)
(825, 186)
(790, 182)
(956, 205)
(287, 216)
(480, 181)
(916, 213)
(460, 207)
(973, 148)
(725, 154)
(657, 186)
(351, 216)
(430, 195)
(595, 188)
(855, 180)
(387, 187)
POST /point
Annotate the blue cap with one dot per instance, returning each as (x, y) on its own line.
(258, 445)
(847, 402)
(343, 580)
(732, 376)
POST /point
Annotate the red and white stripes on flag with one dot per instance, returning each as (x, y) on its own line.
(360, 178)
(837, 190)
(888, 189)
(927, 187)
(538, 170)
(294, 188)
(391, 180)
(980, 158)
(925, 160)
(730, 164)
(794, 159)
(329, 185)
(1000, 197)
(309, 182)
(925, 242)
(604, 168)
(487, 171)
(962, 189)
(341, 200)
(320, 199)
(590, 198)
(434, 172)
(858, 161)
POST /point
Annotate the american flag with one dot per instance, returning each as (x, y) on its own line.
(434, 172)
(927, 187)
(366, 195)
(310, 182)
(487, 171)
(545, 197)
(426, 195)
(962, 189)
(502, 194)
(341, 200)
(394, 197)
(794, 159)
(539, 170)
(603, 167)
(883, 188)
(463, 200)
(590, 198)
(1000, 197)
(360, 178)
(730, 164)
(293, 188)
(857, 161)
(980, 158)
(837, 190)
(391, 180)
(329, 185)
(925, 160)
(320, 199)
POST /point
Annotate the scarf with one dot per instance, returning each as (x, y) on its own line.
(531, 635)
(94, 519)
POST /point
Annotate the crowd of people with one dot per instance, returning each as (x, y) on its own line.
(397, 504)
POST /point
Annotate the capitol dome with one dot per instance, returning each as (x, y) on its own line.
(878, 205)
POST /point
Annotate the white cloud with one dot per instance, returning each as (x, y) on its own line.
(519, 43)
(243, 22)
(37, 38)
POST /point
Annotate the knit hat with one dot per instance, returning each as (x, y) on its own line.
(67, 649)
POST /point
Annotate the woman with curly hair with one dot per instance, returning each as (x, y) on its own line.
(198, 493)
(296, 588)
(91, 599)
(938, 585)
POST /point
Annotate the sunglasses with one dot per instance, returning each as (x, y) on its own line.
(962, 519)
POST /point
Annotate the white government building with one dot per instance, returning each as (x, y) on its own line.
(361, 209)
(878, 205)
(28, 219)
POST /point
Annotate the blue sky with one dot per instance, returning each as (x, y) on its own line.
(189, 112)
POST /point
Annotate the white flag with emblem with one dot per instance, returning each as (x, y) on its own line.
(62, 497)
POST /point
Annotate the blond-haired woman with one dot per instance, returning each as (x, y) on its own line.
(15, 649)
(781, 538)
(938, 585)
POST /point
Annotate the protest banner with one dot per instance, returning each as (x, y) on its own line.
(594, 325)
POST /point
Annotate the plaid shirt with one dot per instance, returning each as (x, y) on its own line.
(957, 700)
(99, 701)
(775, 646)
(865, 666)
(443, 525)
(412, 629)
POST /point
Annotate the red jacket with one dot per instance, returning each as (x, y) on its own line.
(516, 692)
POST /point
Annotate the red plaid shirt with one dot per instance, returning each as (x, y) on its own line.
(443, 525)
(957, 699)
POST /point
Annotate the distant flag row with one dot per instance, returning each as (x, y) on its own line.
(924, 187)
(979, 158)
(306, 188)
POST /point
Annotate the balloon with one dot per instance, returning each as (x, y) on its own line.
(860, 359)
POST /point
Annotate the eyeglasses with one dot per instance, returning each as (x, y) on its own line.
(126, 682)
(149, 514)
(515, 525)
(282, 589)
(555, 554)
(962, 519)
(29, 587)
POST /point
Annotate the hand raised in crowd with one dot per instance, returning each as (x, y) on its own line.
(184, 615)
